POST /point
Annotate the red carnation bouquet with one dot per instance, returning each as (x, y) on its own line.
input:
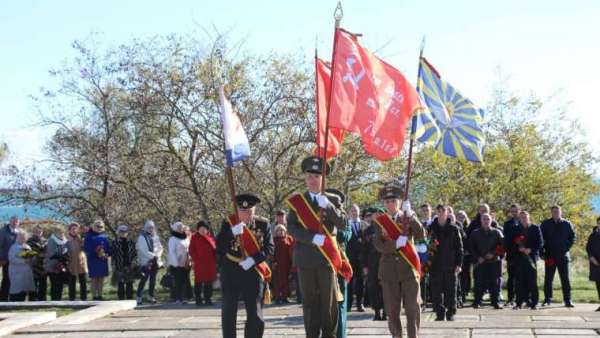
(520, 242)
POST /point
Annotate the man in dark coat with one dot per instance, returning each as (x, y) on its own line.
(371, 257)
(486, 245)
(593, 250)
(353, 250)
(445, 264)
(512, 228)
(8, 236)
(527, 244)
(559, 237)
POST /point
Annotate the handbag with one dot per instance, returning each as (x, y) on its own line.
(168, 280)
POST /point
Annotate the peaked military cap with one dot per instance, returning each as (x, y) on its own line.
(390, 191)
(314, 164)
(339, 196)
(247, 200)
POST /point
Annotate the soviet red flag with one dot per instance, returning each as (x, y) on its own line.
(336, 136)
(370, 98)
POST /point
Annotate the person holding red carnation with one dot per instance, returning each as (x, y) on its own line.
(528, 244)
(487, 250)
(593, 250)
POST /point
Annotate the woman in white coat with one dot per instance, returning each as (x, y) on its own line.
(149, 252)
(178, 260)
(19, 268)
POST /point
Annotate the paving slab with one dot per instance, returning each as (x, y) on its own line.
(286, 322)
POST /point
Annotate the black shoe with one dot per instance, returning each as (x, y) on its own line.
(384, 316)
(547, 302)
(509, 303)
(285, 301)
(476, 305)
(598, 309)
(569, 304)
(533, 307)
(449, 317)
(439, 318)
(497, 306)
(517, 307)
(377, 316)
(360, 308)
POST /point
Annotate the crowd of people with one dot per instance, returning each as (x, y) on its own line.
(77, 254)
(332, 260)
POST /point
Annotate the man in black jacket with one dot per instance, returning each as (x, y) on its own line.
(486, 245)
(445, 263)
(512, 227)
(528, 243)
(559, 237)
(370, 257)
(353, 251)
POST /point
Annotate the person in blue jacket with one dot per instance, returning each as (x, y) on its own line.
(97, 250)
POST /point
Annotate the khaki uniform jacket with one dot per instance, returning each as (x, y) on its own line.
(306, 254)
(393, 267)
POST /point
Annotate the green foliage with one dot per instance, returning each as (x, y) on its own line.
(138, 135)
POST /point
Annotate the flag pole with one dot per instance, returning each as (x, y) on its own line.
(338, 14)
(412, 131)
(228, 168)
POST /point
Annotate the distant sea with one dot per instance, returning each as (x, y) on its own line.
(26, 211)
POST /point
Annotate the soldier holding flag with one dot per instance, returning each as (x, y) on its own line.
(399, 269)
(312, 222)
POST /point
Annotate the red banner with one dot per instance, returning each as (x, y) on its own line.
(370, 98)
(250, 247)
(408, 252)
(310, 220)
(323, 88)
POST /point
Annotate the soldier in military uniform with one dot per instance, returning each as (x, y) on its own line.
(239, 278)
(371, 257)
(343, 237)
(318, 281)
(398, 277)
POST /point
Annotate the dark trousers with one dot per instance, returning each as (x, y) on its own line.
(487, 277)
(511, 269)
(598, 288)
(179, 285)
(57, 282)
(125, 290)
(41, 287)
(5, 284)
(203, 289)
(319, 301)
(247, 285)
(465, 278)
(424, 284)
(563, 273)
(375, 291)
(19, 297)
(527, 288)
(356, 285)
(443, 292)
(150, 277)
(82, 286)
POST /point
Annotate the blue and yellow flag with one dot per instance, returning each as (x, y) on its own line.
(453, 123)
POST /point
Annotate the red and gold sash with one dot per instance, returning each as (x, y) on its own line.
(408, 252)
(330, 250)
(250, 247)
